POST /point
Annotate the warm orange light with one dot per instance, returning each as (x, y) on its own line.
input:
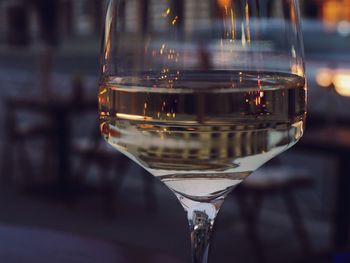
(174, 20)
(324, 78)
(339, 79)
(224, 3)
(335, 10)
(342, 84)
(132, 117)
(247, 21)
(167, 12)
(103, 91)
(161, 51)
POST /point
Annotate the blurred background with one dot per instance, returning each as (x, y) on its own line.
(66, 196)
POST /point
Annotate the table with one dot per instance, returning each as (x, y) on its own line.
(35, 245)
(335, 141)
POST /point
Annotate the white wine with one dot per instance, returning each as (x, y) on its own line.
(202, 133)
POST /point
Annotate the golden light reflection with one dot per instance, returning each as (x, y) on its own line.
(233, 24)
(145, 108)
(171, 54)
(298, 69)
(247, 21)
(161, 51)
(293, 15)
(244, 41)
(257, 101)
(342, 84)
(108, 34)
(174, 20)
(132, 117)
(103, 91)
(146, 126)
(167, 12)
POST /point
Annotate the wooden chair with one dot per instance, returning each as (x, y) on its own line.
(16, 159)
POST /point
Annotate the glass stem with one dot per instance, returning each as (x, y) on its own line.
(201, 217)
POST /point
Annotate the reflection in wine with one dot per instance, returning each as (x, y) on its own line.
(205, 132)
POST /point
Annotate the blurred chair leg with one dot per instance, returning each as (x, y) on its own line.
(7, 170)
(297, 222)
(24, 163)
(250, 214)
(47, 162)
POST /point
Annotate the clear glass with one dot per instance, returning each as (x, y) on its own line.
(202, 93)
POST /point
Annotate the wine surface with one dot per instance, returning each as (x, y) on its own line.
(202, 133)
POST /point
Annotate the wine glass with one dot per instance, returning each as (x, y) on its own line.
(202, 93)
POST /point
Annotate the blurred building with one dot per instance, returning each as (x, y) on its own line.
(329, 11)
(19, 23)
(20, 20)
(84, 17)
